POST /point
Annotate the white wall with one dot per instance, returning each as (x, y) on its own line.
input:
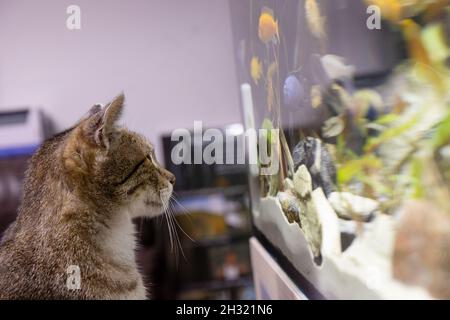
(172, 58)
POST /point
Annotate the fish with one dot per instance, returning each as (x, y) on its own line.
(316, 96)
(366, 102)
(293, 92)
(316, 23)
(333, 127)
(336, 68)
(268, 26)
(256, 69)
(336, 99)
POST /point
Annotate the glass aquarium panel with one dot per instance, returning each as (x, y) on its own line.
(352, 97)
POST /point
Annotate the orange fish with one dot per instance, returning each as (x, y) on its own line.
(316, 96)
(268, 26)
(255, 69)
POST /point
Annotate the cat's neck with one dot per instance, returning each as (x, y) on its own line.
(118, 240)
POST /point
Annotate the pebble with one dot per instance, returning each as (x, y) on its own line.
(291, 206)
(350, 206)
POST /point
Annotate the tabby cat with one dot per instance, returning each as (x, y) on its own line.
(73, 237)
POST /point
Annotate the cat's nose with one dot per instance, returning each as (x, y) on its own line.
(170, 177)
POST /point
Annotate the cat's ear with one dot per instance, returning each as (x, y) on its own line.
(94, 110)
(112, 112)
(101, 124)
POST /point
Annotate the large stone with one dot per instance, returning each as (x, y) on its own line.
(302, 182)
(312, 228)
(314, 155)
(329, 224)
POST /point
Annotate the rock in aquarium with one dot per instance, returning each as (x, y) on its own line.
(291, 206)
(302, 181)
(422, 248)
(314, 155)
(350, 206)
(312, 228)
(288, 184)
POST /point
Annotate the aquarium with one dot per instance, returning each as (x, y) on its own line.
(353, 101)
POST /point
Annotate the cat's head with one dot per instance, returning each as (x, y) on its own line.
(114, 167)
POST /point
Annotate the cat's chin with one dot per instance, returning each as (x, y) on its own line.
(144, 206)
(148, 209)
(154, 208)
(154, 204)
(148, 204)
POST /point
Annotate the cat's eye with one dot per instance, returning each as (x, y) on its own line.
(131, 172)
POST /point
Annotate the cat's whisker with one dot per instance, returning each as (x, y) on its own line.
(165, 208)
(182, 230)
(172, 224)
(173, 247)
(173, 197)
(177, 248)
(170, 232)
(141, 222)
(186, 211)
(175, 223)
(177, 243)
(160, 220)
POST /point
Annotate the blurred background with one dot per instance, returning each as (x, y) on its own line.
(170, 58)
